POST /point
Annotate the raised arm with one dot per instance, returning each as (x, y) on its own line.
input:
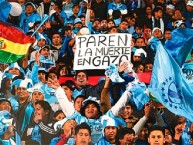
(87, 17)
(139, 125)
(121, 102)
(65, 104)
(105, 97)
(34, 73)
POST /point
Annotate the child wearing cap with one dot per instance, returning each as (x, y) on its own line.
(77, 25)
(15, 69)
(189, 11)
(29, 17)
(40, 42)
(37, 94)
(157, 32)
(139, 55)
(111, 126)
(46, 58)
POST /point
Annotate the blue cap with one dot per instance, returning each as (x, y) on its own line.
(77, 20)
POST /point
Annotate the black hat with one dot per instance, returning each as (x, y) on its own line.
(86, 103)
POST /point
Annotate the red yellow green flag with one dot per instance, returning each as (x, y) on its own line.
(14, 43)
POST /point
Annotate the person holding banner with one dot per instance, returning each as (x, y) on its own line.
(83, 88)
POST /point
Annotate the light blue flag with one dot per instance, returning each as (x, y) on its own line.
(180, 44)
(139, 92)
(186, 135)
(168, 84)
(5, 9)
(17, 139)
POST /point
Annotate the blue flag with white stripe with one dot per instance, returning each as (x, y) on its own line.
(168, 84)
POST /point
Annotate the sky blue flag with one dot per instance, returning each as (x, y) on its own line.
(168, 84)
(139, 94)
(186, 135)
(180, 44)
(5, 8)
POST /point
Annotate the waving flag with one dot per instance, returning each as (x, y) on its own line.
(5, 8)
(180, 44)
(168, 84)
(14, 43)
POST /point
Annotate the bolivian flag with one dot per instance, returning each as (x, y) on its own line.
(14, 43)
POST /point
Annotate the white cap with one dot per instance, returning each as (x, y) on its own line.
(84, 31)
(59, 124)
(108, 121)
(170, 6)
(36, 88)
(155, 28)
(190, 3)
(140, 51)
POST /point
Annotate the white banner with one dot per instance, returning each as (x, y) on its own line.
(99, 51)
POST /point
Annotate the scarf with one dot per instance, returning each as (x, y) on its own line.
(161, 24)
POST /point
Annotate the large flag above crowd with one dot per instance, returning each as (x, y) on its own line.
(14, 44)
(168, 83)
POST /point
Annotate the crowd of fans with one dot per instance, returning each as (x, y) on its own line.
(43, 111)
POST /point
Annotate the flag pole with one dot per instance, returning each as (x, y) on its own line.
(45, 18)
